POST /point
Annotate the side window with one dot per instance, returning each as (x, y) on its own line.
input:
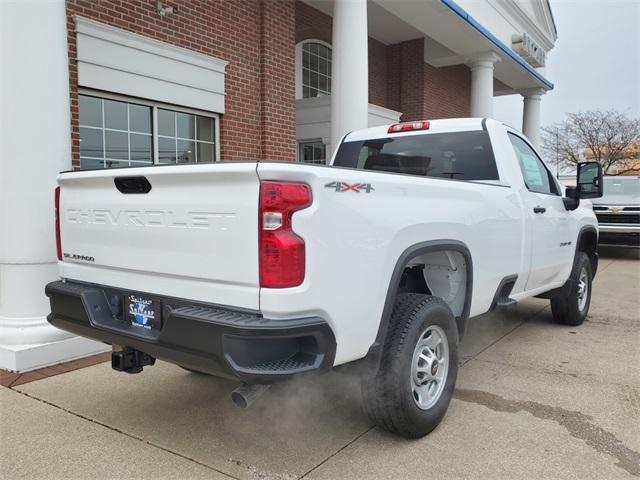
(114, 133)
(313, 69)
(312, 152)
(536, 176)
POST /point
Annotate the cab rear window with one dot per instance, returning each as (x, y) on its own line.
(452, 155)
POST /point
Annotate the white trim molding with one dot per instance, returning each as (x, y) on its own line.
(382, 116)
(114, 60)
(541, 28)
(23, 358)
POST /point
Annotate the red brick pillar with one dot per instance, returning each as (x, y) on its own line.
(394, 77)
(277, 80)
(406, 84)
(412, 84)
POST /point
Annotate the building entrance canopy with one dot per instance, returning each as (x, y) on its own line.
(452, 36)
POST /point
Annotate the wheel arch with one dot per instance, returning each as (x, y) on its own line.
(587, 242)
(403, 261)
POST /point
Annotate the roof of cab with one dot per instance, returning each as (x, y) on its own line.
(435, 126)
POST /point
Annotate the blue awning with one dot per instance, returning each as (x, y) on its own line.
(464, 15)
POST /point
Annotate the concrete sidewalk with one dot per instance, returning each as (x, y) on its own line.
(534, 400)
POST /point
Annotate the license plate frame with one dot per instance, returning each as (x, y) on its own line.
(142, 311)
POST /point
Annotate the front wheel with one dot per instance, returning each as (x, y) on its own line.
(410, 393)
(572, 309)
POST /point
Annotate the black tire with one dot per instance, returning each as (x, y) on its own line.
(566, 308)
(388, 396)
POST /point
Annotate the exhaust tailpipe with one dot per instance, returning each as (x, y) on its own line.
(245, 395)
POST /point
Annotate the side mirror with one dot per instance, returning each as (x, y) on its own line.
(571, 200)
(589, 183)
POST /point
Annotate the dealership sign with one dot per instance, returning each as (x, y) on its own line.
(529, 50)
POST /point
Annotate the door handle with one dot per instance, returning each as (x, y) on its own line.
(539, 209)
(132, 184)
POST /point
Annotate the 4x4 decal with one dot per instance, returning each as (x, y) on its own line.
(350, 187)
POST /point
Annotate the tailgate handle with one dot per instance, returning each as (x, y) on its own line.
(132, 184)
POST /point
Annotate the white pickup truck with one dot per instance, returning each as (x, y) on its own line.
(263, 270)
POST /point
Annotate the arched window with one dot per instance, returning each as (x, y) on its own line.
(313, 69)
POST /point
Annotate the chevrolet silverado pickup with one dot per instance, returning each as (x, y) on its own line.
(260, 270)
(618, 212)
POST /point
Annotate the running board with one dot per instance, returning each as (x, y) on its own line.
(505, 302)
(501, 298)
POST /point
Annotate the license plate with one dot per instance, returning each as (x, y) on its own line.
(143, 311)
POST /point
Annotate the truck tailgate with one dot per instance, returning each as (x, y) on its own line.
(194, 235)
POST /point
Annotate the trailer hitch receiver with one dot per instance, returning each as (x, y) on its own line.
(130, 360)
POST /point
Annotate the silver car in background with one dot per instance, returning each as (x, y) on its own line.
(618, 212)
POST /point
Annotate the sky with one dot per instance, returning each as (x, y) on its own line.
(595, 63)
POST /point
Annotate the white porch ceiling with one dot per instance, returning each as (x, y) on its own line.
(383, 26)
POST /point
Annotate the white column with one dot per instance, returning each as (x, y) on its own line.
(531, 115)
(482, 83)
(35, 144)
(350, 75)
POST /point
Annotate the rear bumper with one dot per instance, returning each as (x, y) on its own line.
(209, 338)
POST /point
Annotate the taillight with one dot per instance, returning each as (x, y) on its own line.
(282, 252)
(57, 206)
(409, 126)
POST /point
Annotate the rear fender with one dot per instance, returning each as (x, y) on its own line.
(373, 357)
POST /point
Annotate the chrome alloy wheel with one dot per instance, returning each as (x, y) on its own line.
(583, 289)
(429, 367)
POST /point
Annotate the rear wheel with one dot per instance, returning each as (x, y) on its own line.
(572, 309)
(412, 389)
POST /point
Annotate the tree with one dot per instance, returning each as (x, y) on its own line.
(610, 138)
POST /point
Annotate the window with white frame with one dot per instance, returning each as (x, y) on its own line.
(316, 69)
(184, 137)
(312, 152)
(118, 132)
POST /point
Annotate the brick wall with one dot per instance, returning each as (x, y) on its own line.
(378, 70)
(412, 80)
(394, 76)
(421, 91)
(447, 92)
(257, 39)
(277, 76)
(312, 23)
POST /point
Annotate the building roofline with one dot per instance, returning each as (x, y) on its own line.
(553, 20)
(462, 13)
